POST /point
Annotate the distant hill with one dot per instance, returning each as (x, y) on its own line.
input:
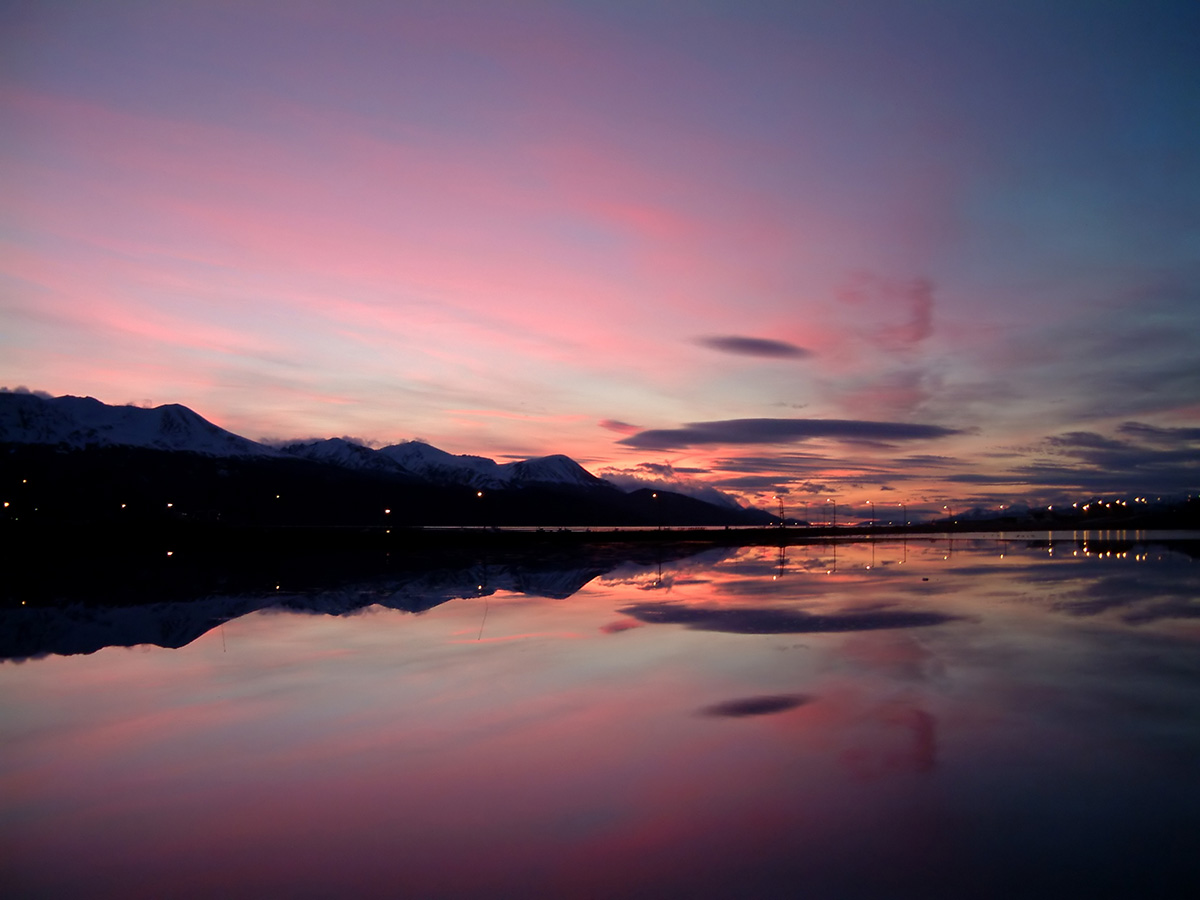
(75, 459)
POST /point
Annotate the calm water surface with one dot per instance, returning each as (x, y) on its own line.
(935, 718)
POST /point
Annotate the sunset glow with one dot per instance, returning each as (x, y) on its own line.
(938, 254)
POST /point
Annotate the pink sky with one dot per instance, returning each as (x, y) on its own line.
(502, 227)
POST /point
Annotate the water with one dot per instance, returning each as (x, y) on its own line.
(934, 718)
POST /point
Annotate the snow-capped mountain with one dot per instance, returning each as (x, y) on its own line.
(79, 422)
(343, 453)
(554, 469)
(431, 464)
(427, 463)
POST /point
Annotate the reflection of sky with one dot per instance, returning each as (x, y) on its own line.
(560, 747)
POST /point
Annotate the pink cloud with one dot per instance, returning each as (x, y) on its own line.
(899, 313)
(618, 427)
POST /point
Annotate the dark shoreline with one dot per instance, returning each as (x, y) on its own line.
(376, 536)
(180, 560)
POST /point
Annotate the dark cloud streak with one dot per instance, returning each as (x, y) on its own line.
(750, 346)
(775, 431)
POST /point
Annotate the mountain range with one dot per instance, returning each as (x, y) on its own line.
(170, 450)
(81, 422)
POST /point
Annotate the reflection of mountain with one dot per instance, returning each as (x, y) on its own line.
(134, 613)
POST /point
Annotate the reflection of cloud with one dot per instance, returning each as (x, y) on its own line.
(620, 625)
(757, 706)
(749, 346)
(899, 655)
(907, 742)
(772, 431)
(768, 620)
(1178, 608)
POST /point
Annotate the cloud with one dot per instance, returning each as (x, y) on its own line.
(1154, 434)
(775, 431)
(1084, 440)
(666, 470)
(1121, 456)
(772, 483)
(757, 706)
(768, 620)
(664, 476)
(882, 298)
(750, 346)
(618, 426)
(1086, 461)
(22, 389)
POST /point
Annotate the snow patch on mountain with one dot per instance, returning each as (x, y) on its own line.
(429, 463)
(341, 452)
(553, 469)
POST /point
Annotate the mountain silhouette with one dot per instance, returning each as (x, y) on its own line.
(75, 460)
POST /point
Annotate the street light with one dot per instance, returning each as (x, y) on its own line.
(872, 504)
(834, 502)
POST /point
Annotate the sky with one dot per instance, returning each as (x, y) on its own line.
(921, 252)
